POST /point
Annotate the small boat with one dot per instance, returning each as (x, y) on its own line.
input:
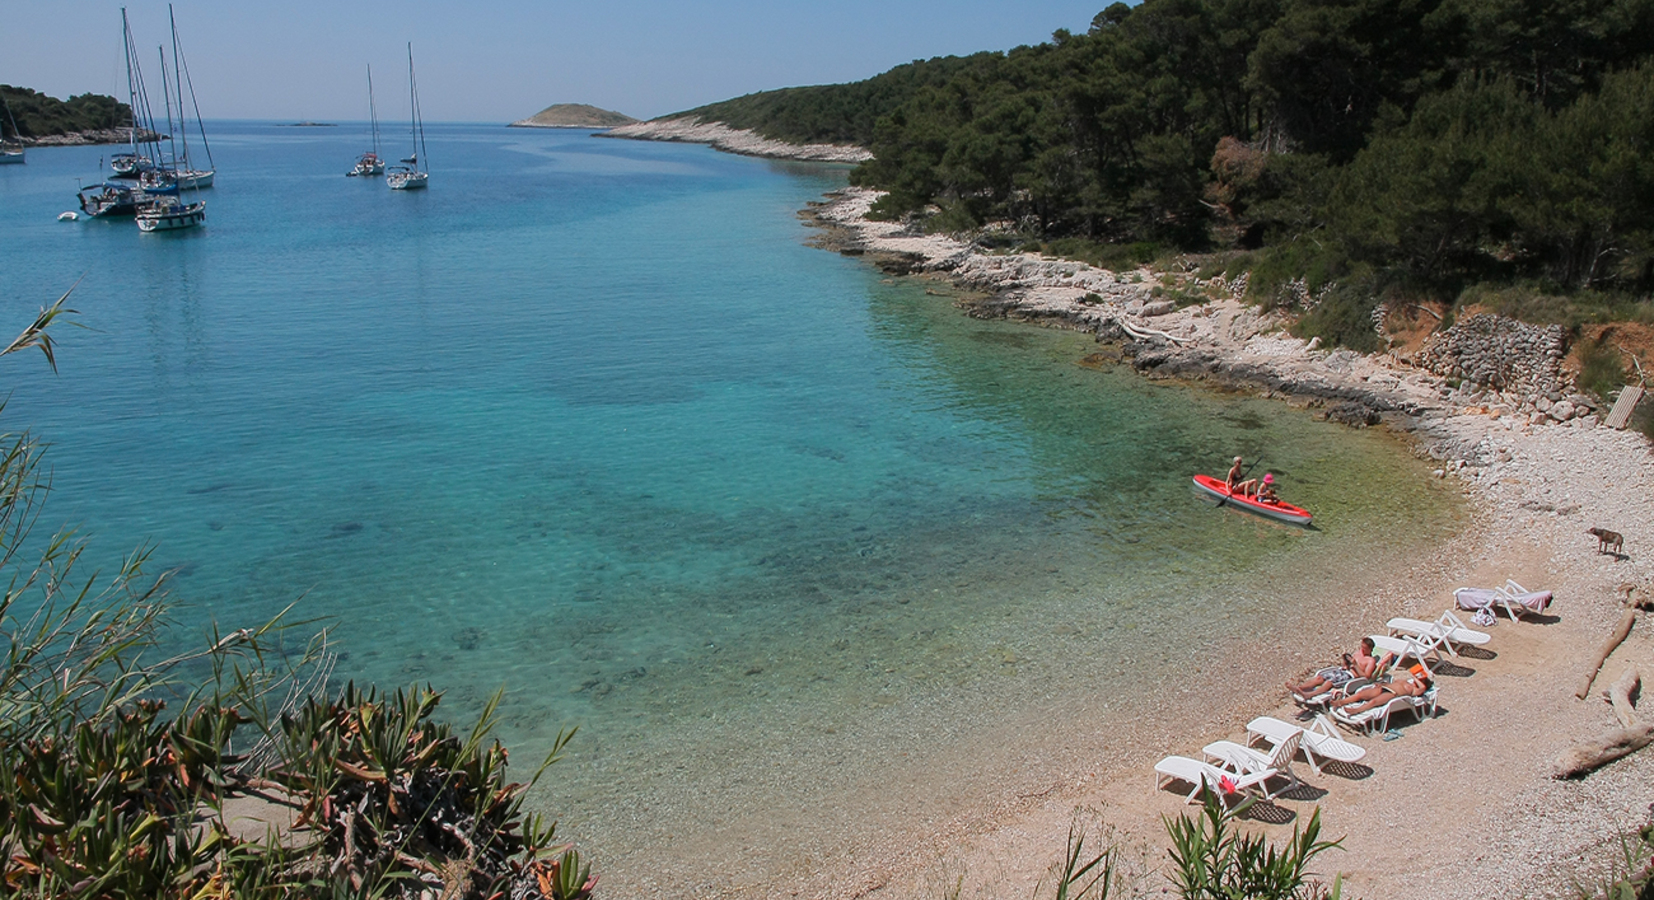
(370, 164)
(108, 200)
(410, 177)
(169, 213)
(130, 165)
(1278, 510)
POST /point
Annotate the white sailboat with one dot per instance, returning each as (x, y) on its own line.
(139, 159)
(11, 151)
(161, 178)
(164, 207)
(370, 163)
(411, 176)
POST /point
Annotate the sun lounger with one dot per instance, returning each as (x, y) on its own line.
(1243, 760)
(1377, 719)
(1514, 599)
(1320, 739)
(1444, 632)
(1197, 773)
(1406, 648)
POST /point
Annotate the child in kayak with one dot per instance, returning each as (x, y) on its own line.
(1266, 493)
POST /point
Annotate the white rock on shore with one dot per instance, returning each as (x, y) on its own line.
(734, 140)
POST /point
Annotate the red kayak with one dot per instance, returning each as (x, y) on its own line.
(1274, 509)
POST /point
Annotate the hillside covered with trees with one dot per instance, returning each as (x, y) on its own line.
(1377, 149)
(38, 115)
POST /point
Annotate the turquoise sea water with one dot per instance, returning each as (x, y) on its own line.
(787, 539)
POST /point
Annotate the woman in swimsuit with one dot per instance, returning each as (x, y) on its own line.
(1414, 684)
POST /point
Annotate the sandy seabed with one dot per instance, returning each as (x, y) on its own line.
(1463, 804)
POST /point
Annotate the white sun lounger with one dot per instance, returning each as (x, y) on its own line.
(1243, 760)
(1320, 739)
(1406, 648)
(1197, 773)
(1514, 599)
(1444, 632)
(1377, 719)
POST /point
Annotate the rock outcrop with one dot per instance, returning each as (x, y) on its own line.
(691, 130)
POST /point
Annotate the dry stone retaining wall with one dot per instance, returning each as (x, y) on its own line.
(1491, 351)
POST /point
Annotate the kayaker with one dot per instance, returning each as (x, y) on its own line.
(1266, 493)
(1235, 485)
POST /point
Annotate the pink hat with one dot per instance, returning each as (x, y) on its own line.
(1269, 478)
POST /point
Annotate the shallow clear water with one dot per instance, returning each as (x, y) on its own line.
(588, 419)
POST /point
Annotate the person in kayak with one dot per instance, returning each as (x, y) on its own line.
(1235, 485)
(1413, 684)
(1362, 665)
(1266, 492)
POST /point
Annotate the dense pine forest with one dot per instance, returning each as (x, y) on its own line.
(1377, 149)
(38, 115)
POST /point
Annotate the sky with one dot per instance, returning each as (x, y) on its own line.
(500, 60)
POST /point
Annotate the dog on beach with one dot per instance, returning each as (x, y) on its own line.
(1607, 541)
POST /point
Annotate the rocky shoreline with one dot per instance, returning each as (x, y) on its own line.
(90, 137)
(734, 140)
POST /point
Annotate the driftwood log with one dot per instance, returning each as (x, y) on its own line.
(1586, 758)
(1613, 641)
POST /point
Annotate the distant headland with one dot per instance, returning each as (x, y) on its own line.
(574, 115)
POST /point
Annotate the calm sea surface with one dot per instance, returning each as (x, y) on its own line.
(802, 551)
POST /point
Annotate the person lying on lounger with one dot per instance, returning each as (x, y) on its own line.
(1361, 665)
(1413, 684)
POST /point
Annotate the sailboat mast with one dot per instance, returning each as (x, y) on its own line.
(131, 87)
(172, 142)
(178, 85)
(183, 74)
(373, 112)
(413, 108)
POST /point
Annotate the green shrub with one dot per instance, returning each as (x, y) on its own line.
(1601, 368)
(1213, 861)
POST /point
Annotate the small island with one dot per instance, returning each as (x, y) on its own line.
(574, 115)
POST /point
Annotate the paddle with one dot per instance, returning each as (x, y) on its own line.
(1243, 474)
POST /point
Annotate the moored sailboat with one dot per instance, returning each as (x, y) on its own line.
(160, 178)
(411, 176)
(11, 151)
(164, 207)
(370, 164)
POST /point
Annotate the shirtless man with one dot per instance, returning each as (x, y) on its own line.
(1413, 684)
(1362, 665)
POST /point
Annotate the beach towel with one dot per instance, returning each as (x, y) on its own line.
(1486, 599)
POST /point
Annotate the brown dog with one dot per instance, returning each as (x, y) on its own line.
(1607, 541)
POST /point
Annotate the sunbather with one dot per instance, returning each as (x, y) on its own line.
(1361, 665)
(1413, 684)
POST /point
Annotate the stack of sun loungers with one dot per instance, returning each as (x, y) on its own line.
(1262, 767)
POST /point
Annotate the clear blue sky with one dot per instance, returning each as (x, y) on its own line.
(498, 60)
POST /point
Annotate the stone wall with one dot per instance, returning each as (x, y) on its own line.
(1500, 354)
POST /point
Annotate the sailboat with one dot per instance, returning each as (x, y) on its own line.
(161, 178)
(370, 164)
(410, 176)
(11, 151)
(163, 207)
(110, 200)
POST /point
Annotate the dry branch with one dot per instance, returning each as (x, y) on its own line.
(1614, 640)
(1620, 696)
(1586, 758)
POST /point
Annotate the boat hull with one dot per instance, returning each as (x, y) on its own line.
(172, 218)
(10, 157)
(406, 181)
(1280, 512)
